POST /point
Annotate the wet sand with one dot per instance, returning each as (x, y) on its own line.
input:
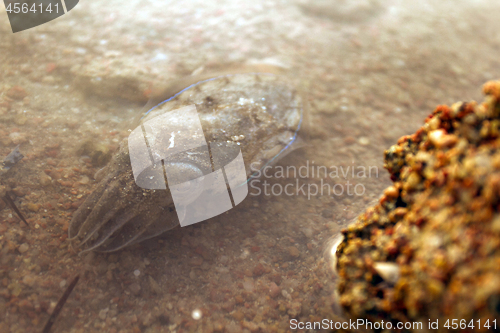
(368, 80)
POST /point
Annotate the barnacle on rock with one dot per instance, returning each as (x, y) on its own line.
(435, 234)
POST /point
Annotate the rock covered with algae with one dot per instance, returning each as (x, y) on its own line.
(430, 249)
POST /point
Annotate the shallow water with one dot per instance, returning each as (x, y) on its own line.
(370, 74)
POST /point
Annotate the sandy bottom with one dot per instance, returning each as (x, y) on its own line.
(370, 74)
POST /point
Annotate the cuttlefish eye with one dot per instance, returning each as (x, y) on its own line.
(185, 177)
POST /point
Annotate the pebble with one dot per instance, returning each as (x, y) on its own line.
(29, 280)
(154, 286)
(389, 271)
(33, 207)
(308, 232)
(17, 138)
(248, 285)
(413, 181)
(18, 191)
(16, 289)
(364, 141)
(103, 313)
(238, 315)
(274, 290)
(44, 179)
(49, 79)
(294, 252)
(135, 288)
(227, 306)
(253, 327)
(85, 180)
(295, 309)
(258, 270)
(348, 140)
(23, 247)
(98, 152)
(233, 327)
(20, 119)
(440, 139)
(196, 314)
(16, 92)
(196, 261)
(391, 192)
(327, 213)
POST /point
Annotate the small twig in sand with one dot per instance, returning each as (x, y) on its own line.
(12, 205)
(60, 304)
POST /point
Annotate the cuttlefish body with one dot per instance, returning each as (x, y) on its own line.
(257, 114)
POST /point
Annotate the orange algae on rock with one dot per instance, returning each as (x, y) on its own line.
(430, 249)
